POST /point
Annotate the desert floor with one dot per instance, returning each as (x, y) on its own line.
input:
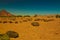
(48, 29)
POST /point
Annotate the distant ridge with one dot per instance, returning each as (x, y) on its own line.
(5, 13)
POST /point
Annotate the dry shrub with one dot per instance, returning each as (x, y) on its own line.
(4, 21)
(50, 16)
(24, 20)
(45, 20)
(19, 16)
(12, 34)
(16, 21)
(35, 24)
(27, 16)
(57, 16)
(0, 21)
(10, 22)
(37, 19)
(4, 37)
(20, 21)
(35, 15)
(29, 19)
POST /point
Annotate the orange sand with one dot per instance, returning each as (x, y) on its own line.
(46, 31)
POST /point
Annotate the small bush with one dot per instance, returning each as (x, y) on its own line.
(35, 24)
(19, 16)
(37, 19)
(4, 21)
(57, 16)
(20, 21)
(45, 20)
(29, 19)
(16, 21)
(26, 16)
(12, 34)
(35, 15)
(24, 20)
(0, 21)
(10, 22)
(4, 37)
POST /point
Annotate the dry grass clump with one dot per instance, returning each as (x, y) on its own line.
(29, 19)
(45, 20)
(35, 24)
(16, 22)
(37, 19)
(57, 16)
(4, 37)
(50, 16)
(0, 21)
(4, 21)
(24, 20)
(27, 16)
(10, 22)
(35, 15)
(13, 19)
(8, 35)
(20, 21)
(19, 16)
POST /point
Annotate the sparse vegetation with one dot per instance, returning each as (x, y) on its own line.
(35, 24)
(50, 16)
(35, 15)
(26, 16)
(16, 21)
(19, 16)
(8, 35)
(29, 19)
(45, 20)
(20, 21)
(24, 20)
(10, 22)
(12, 34)
(4, 21)
(57, 16)
(0, 21)
(4, 37)
(37, 19)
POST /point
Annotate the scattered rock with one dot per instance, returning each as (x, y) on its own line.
(12, 34)
(35, 24)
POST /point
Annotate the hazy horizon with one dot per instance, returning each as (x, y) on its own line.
(31, 7)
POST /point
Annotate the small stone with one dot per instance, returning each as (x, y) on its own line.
(12, 34)
(35, 24)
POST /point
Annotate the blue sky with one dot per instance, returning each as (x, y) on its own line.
(31, 7)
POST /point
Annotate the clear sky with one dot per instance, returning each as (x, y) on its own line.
(31, 7)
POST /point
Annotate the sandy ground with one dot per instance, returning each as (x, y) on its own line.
(47, 30)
